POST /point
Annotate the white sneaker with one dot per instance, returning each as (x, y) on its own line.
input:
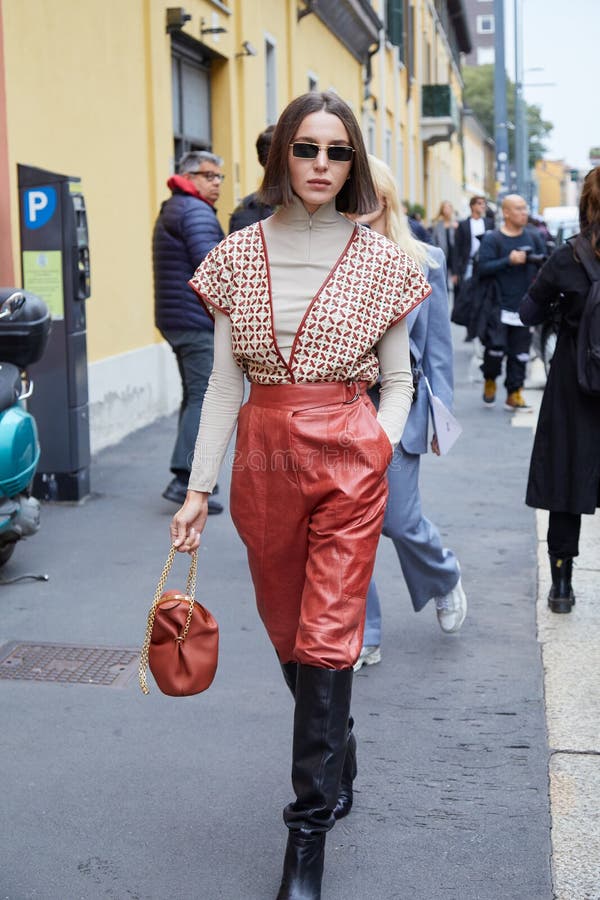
(368, 657)
(452, 609)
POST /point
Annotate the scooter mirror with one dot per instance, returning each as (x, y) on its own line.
(12, 304)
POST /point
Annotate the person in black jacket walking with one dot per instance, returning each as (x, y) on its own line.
(466, 240)
(510, 255)
(186, 229)
(564, 475)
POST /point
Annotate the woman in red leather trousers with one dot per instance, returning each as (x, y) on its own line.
(310, 308)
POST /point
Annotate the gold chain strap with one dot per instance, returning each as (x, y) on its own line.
(191, 592)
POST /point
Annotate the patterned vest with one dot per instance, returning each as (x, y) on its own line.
(372, 286)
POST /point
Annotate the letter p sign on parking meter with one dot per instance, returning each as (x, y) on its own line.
(40, 205)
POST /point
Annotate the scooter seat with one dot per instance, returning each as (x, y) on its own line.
(10, 385)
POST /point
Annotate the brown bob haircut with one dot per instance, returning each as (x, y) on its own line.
(589, 209)
(475, 200)
(358, 194)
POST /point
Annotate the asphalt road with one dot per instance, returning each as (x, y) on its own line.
(110, 794)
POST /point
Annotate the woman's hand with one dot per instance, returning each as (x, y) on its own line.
(188, 523)
(434, 445)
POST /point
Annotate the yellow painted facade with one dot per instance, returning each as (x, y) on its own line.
(552, 178)
(426, 175)
(89, 93)
(97, 104)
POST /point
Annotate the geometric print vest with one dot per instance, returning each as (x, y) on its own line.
(372, 286)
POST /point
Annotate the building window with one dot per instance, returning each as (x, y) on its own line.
(387, 148)
(485, 24)
(271, 80)
(190, 85)
(394, 23)
(485, 56)
(371, 137)
(400, 166)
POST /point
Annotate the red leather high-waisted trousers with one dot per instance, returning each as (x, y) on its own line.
(308, 496)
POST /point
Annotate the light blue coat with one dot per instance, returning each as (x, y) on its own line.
(429, 569)
(431, 345)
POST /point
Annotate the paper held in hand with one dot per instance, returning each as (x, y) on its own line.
(446, 427)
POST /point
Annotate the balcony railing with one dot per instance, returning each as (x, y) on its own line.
(439, 113)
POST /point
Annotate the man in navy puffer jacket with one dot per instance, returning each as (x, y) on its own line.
(186, 229)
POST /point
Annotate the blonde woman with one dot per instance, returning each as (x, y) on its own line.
(443, 231)
(430, 570)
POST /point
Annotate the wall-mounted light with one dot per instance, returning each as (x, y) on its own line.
(176, 18)
(309, 8)
(248, 50)
(216, 30)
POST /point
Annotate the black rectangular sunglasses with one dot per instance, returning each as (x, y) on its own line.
(335, 152)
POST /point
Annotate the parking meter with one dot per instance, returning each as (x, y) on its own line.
(55, 265)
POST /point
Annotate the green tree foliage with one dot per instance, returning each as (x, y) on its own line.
(479, 96)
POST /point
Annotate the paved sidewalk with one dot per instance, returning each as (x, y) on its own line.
(109, 794)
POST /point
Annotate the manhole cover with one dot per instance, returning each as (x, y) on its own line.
(68, 663)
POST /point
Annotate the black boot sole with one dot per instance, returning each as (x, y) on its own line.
(560, 606)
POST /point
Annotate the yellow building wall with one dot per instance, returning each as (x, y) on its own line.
(550, 176)
(84, 109)
(301, 48)
(97, 104)
(89, 94)
(425, 175)
(443, 173)
(475, 164)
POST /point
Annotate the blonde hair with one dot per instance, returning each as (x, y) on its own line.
(440, 214)
(397, 228)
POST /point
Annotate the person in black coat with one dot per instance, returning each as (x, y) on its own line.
(186, 229)
(251, 209)
(466, 243)
(564, 474)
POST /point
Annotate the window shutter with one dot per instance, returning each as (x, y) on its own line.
(395, 22)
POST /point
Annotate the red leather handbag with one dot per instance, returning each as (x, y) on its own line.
(182, 639)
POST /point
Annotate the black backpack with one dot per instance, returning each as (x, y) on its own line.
(588, 335)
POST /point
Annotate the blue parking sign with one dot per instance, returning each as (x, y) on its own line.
(39, 206)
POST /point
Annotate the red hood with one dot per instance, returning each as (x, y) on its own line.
(185, 186)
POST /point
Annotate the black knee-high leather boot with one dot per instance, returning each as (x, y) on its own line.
(290, 674)
(349, 769)
(319, 748)
(561, 597)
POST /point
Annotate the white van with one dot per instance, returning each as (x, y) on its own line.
(561, 221)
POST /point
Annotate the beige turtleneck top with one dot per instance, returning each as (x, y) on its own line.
(302, 249)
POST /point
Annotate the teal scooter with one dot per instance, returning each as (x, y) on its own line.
(24, 330)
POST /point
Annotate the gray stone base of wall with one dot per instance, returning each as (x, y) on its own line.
(129, 391)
